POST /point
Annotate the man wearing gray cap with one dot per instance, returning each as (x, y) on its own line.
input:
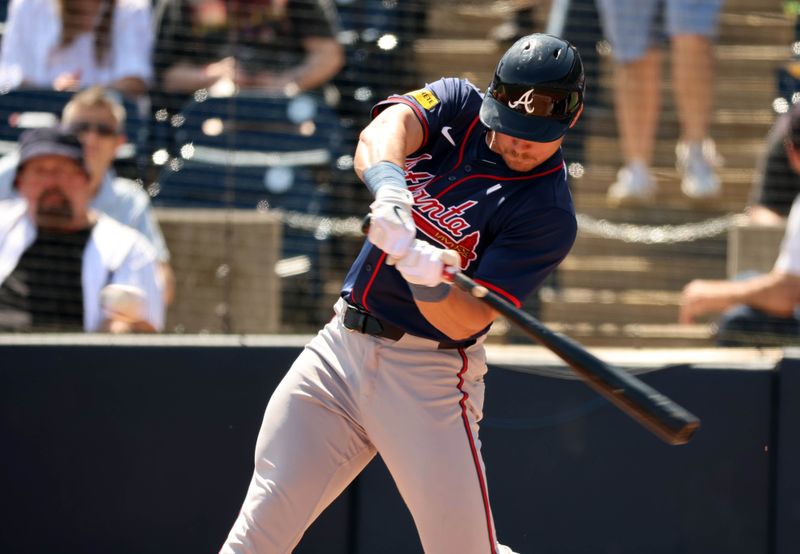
(63, 266)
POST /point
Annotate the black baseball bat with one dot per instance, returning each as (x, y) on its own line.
(656, 412)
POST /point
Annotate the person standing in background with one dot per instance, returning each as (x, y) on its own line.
(629, 26)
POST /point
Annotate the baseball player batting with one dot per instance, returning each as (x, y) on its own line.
(461, 179)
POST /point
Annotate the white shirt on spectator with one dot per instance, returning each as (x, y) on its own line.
(115, 253)
(789, 257)
(120, 198)
(30, 50)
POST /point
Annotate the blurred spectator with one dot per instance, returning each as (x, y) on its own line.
(759, 311)
(74, 44)
(63, 266)
(777, 178)
(280, 47)
(98, 119)
(629, 26)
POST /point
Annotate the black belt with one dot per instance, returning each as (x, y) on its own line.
(356, 319)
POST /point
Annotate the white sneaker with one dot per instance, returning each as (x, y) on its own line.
(635, 185)
(697, 162)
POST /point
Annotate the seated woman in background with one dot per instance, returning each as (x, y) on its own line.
(74, 44)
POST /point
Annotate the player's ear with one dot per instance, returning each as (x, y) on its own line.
(577, 117)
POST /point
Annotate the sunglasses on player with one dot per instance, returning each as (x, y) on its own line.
(102, 129)
(538, 101)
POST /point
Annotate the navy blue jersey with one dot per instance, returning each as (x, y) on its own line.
(510, 228)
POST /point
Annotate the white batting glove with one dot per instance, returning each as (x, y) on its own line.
(424, 264)
(391, 226)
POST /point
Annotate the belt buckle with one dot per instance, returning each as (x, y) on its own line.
(356, 319)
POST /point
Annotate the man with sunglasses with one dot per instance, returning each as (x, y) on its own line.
(460, 179)
(97, 119)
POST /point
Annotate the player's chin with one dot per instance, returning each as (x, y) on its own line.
(521, 164)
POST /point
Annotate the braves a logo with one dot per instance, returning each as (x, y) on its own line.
(526, 101)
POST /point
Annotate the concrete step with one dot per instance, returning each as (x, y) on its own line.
(656, 216)
(742, 60)
(620, 273)
(637, 335)
(735, 115)
(692, 251)
(737, 152)
(597, 306)
(754, 27)
(589, 191)
(753, 6)
(614, 336)
(757, 60)
(473, 59)
(466, 19)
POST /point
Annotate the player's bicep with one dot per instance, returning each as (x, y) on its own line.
(391, 136)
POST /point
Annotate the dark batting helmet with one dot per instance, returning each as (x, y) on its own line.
(537, 90)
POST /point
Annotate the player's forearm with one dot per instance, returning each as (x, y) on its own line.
(324, 60)
(132, 86)
(185, 78)
(458, 315)
(775, 293)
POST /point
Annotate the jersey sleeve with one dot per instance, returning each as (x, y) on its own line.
(526, 252)
(436, 104)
